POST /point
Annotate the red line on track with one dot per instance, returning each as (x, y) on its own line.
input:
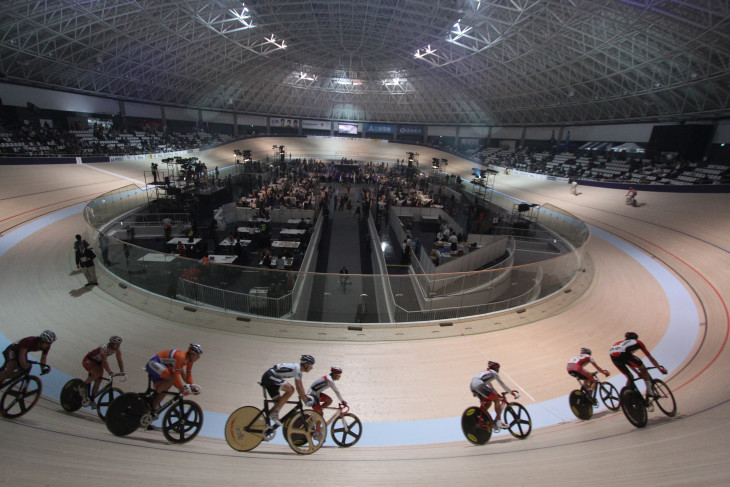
(714, 289)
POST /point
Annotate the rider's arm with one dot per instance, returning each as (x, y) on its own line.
(334, 388)
(105, 364)
(120, 362)
(504, 386)
(599, 368)
(651, 357)
(300, 390)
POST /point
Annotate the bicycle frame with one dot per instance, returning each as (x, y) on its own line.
(265, 412)
(341, 411)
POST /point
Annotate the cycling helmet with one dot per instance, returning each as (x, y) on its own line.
(493, 366)
(47, 336)
(630, 335)
(335, 370)
(307, 359)
(585, 351)
(195, 348)
(115, 339)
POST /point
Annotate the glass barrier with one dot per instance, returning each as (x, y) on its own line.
(277, 292)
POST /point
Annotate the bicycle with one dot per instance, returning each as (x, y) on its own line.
(248, 426)
(181, 422)
(346, 428)
(71, 399)
(21, 392)
(636, 407)
(583, 401)
(478, 425)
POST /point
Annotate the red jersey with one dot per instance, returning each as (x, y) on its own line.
(30, 344)
(628, 346)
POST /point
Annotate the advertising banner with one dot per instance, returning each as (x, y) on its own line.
(316, 124)
(410, 129)
(379, 128)
(285, 122)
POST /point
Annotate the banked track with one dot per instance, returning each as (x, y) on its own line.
(384, 381)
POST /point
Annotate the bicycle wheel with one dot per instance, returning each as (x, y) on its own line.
(124, 414)
(609, 395)
(20, 396)
(245, 428)
(518, 420)
(70, 397)
(664, 397)
(182, 422)
(475, 433)
(346, 430)
(580, 405)
(301, 432)
(632, 404)
(105, 399)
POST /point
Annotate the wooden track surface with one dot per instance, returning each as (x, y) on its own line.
(384, 381)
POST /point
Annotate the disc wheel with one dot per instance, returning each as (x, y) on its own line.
(124, 414)
(305, 432)
(518, 420)
(581, 405)
(70, 398)
(609, 396)
(664, 397)
(632, 404)
(182, 422)
(346, 430)
(478, 435)
(105, 400)
(20, 396)
(245, 428)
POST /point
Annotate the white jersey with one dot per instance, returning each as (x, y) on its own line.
(487, 376)
(287, 370)
(319, 385)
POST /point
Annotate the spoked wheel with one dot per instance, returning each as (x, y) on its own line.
(346, 430)
(518, 420)
(609, 396)
(581, 405)
(245, 428)
(105, 400)
(305, 432)
(476, 434)
(632, 405)
(182, 422)
(124, 414)
(664, 397)
(70, 397)
(20, 396)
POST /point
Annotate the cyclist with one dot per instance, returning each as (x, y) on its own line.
(166, 369)
(16, 354)
(575, 368)
(280, 390)
(481, 386)
(95, 362)
(322, 400)
(622, 356)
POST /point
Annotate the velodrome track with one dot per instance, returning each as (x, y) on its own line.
(384, 381)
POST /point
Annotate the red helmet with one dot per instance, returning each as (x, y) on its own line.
(335, 370)
(493, 366)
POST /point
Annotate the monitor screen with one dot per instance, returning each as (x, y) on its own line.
(347, 128)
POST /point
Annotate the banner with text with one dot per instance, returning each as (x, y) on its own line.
(410, 129)
(316, 124)
(379, 128)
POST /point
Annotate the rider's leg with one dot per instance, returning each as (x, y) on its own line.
(161, 387)
(10, 369)
(644, 374)
(285, 392)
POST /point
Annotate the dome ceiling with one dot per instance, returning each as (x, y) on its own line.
(499, 62)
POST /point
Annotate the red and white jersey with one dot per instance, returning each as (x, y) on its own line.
(324, 382)
(487, 376)
(582, 360)
(98, 354)
(627, 346)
